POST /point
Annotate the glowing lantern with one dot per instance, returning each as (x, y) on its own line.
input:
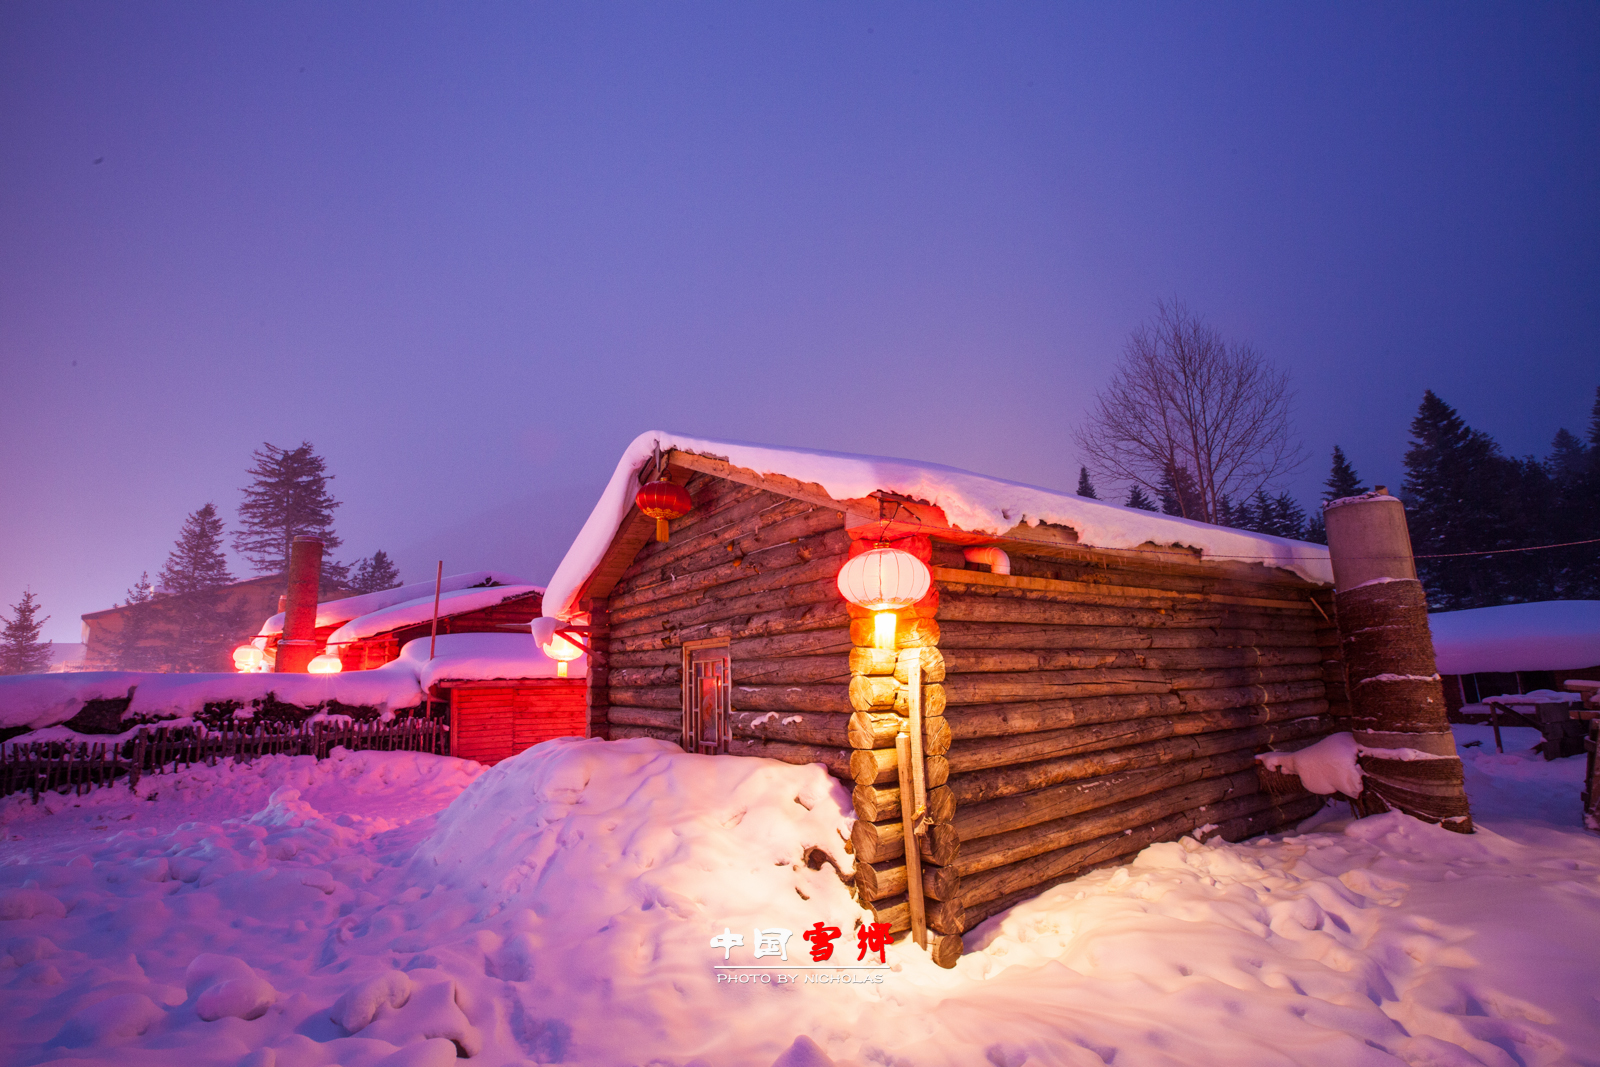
(561, 650)
(884, 580)
(662, 501)
(246, 658)
(327, 663)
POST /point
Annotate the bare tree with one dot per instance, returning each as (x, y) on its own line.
(1184, 408)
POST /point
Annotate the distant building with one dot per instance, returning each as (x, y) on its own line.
(184, 632)
(65, 657)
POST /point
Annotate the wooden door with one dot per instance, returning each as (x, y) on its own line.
(707, 697)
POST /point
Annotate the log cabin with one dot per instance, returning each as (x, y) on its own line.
(1089, 679)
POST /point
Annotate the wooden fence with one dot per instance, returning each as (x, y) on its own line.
(77, 767)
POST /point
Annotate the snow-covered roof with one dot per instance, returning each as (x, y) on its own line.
(973, 502)
(411, 612)
(334, 612)
(482, 657)
(1547, 635)
(40, 700)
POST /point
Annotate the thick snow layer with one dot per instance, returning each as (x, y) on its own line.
(1536, 696)
(1548, 635)
(973, 502)
(1329, 766)
(340, 611)
(482, 657)
(561, 910)
(41, 700)
(411, 612)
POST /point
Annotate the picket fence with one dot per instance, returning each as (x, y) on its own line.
(39, 767)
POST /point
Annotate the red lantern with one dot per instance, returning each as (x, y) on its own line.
(662, 501)
(883, 580)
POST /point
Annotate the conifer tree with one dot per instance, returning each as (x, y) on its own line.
(196, 562)
(288, 498)
(21, 651)
(1342, 480)
(126, 647)
(1138, 498)
(142, 590)
(1574, 470)
(1456, 490)
(375, 574)
(1287, 517)
(1085, 486)
(1179, 495)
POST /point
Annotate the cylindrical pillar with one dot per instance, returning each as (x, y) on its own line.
(298, 645)
(1397, 704)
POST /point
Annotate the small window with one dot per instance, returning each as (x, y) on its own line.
(707, 697)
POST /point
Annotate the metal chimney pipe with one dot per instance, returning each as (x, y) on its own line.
(298, 645)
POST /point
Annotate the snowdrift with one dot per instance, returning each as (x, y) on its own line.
(561, 910)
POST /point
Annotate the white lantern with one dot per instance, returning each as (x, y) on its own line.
(884, 580)
(246, 658)
(561, 650)
(326, 663)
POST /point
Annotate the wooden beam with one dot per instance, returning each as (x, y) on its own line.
(952, 576)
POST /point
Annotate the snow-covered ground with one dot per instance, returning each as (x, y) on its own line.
(561, 907)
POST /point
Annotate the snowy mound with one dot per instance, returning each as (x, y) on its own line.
(1548, 635)
(620, 860)
(561, 910)
(970, 501)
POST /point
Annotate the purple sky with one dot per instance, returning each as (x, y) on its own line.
(469, 251)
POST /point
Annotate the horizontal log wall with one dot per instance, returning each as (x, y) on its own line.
(759, 570)
(1085, 722)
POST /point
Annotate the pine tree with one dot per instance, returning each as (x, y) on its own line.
(1457, 490)
(334, 575)
(196, 563)
(21, 651)
(1342, 480)
(1179, 494)
(1138, 498)
(375, 574)
(142, 590)
(288, 498)
(1288, 518)
(1574, 469)
(1085, 486)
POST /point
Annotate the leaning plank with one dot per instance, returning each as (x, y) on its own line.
(875, 881)
(880, 803)
(874, 842)
(880, 765)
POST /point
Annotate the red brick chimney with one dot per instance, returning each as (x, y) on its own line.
(298, 645)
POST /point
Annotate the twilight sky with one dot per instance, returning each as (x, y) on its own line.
(469, 251)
